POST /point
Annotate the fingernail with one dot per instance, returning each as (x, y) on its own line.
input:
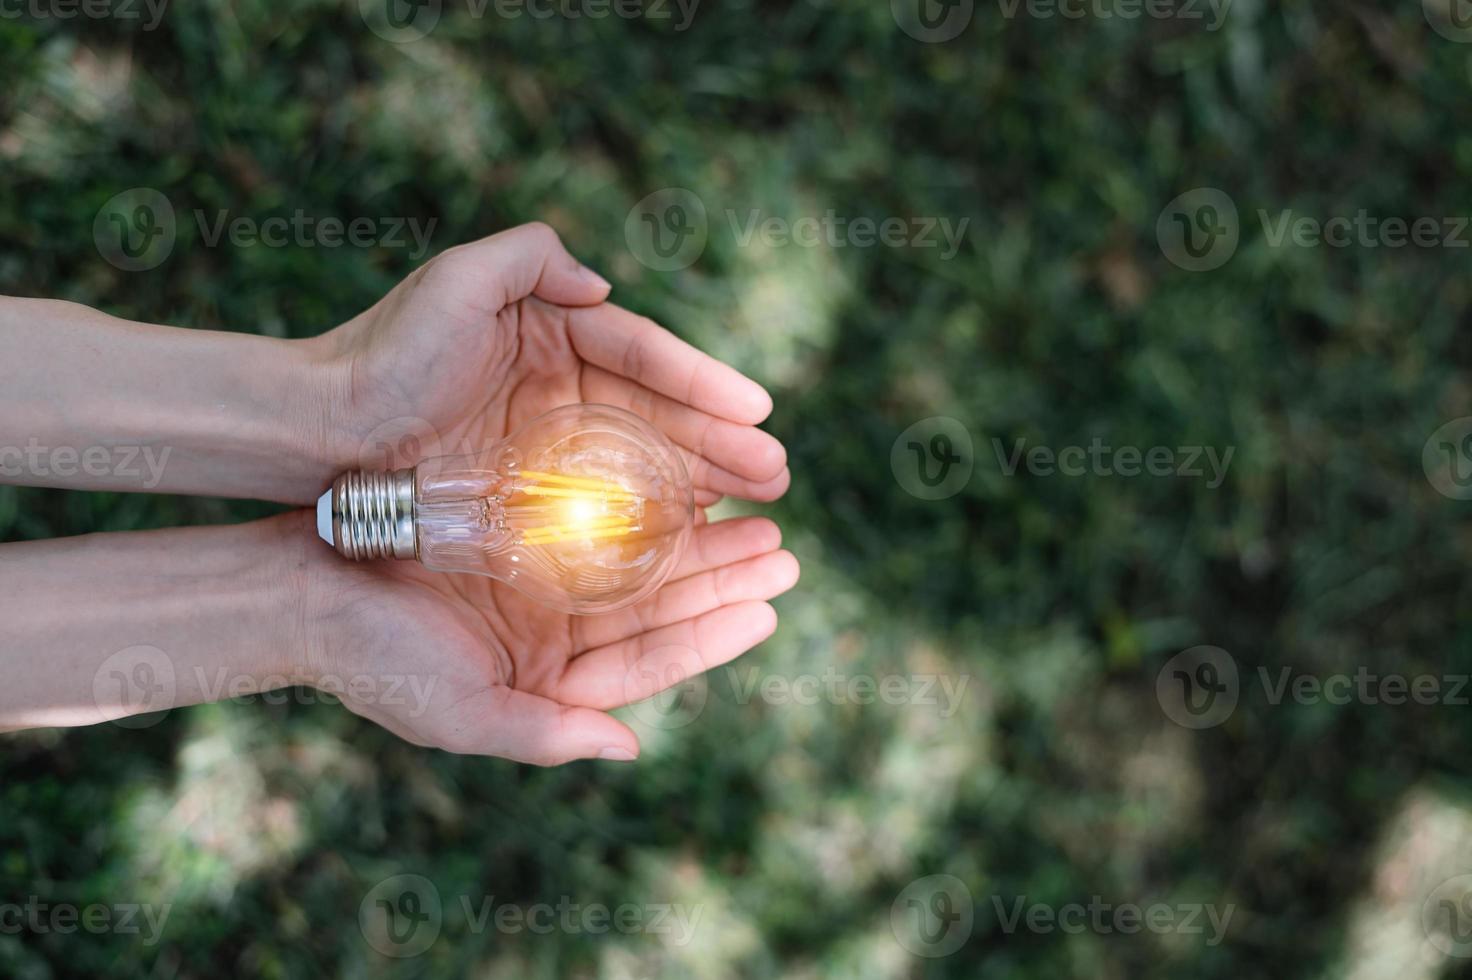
(594, 277)
(616, 754)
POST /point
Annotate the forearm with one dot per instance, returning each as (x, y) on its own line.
(110, 625)
(89, 401)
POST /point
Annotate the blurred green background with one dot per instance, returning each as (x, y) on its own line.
(793, 830)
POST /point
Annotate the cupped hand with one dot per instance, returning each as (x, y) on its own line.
(489, 335)
(478, 341)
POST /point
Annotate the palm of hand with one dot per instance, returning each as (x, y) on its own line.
(479, 384)
(499, 673)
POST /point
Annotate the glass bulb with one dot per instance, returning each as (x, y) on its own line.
(585, 509)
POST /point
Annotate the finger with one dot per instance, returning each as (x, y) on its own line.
(523, 727)
(528, 260)
(707, 498)
(742, 450)
(707, 476)
(639, 349)
(723, 542)
(642, 666)
(763, 577)
(713, 546)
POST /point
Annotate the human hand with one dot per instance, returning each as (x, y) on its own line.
(470, 665)
(491, 334)
(480, 340)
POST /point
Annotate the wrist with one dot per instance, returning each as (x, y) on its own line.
(301, 383)
(299, 586)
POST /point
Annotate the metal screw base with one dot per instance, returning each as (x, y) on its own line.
(373, 515)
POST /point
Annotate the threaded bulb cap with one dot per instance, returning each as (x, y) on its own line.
(368, 515)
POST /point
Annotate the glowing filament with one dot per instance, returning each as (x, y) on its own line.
(551, 508)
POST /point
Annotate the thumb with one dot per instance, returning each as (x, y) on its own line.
(530, 260)
(527, 728)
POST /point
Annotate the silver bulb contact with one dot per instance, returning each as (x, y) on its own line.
(368, 515)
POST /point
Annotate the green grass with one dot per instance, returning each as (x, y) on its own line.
(792, 828)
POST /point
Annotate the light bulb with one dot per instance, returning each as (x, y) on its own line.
(585, 509)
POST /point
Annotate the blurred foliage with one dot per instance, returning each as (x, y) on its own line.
(1057, 599)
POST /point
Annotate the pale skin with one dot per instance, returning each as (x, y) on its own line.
(476, 342)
